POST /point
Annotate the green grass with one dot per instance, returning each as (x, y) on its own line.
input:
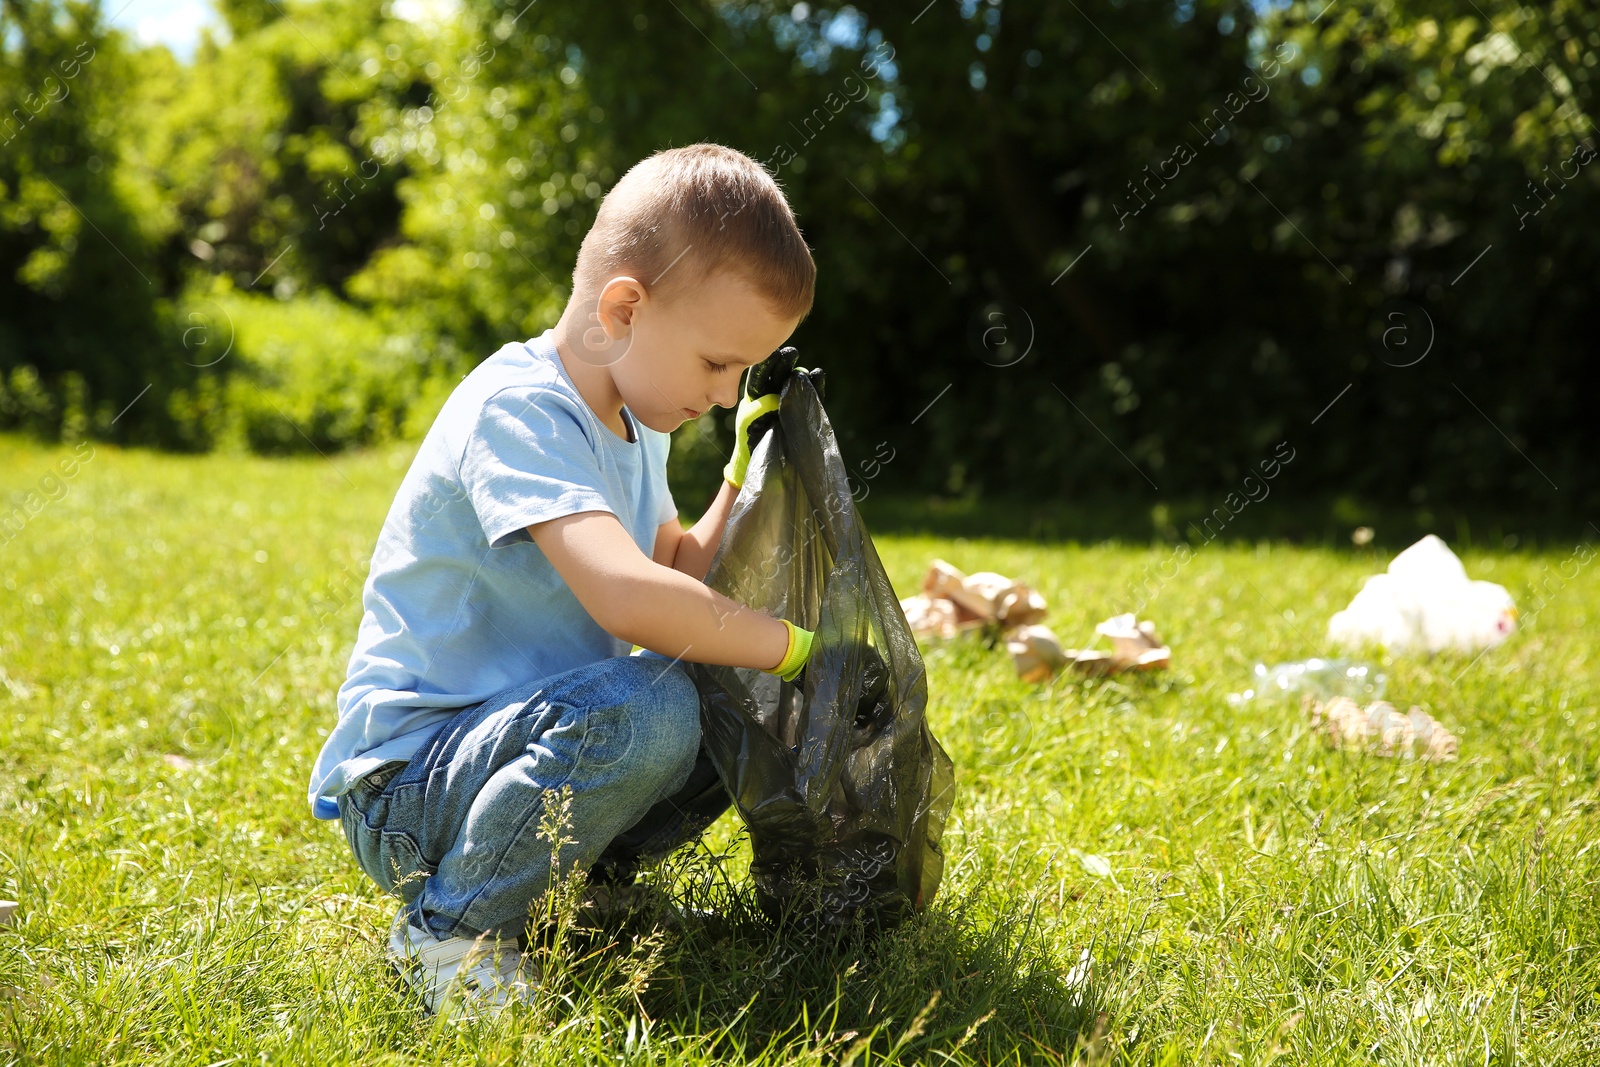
(173, 631)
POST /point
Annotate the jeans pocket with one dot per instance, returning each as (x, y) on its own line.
(398, 866)
(389, 857)
(376, 780)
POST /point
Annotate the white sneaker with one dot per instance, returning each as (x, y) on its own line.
(460, 977)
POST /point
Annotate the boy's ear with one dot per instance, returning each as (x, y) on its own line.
(619, 301)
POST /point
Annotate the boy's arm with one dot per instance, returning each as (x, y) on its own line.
(660, 608)
(692, 549)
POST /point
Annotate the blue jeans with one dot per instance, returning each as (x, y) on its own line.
(456, 831)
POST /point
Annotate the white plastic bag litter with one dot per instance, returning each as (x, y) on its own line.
(1426, 603)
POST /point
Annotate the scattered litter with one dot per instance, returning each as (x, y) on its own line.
(1425, 602)
(1036, 651)
(951, 602)
(1134, 647)
(1380, 729)
(8, 908)
(1322, 678)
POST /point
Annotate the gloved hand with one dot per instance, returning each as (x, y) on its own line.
(872, 706)
(796, 656)
(758, 408)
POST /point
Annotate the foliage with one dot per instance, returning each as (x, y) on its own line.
(1196, 333)
(308, 373)
(255, 150)
(80, 280)
(1061, 249)
(500, 186)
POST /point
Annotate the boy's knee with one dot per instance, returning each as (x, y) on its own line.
(669, 706)
(678, 706)
(655, 729)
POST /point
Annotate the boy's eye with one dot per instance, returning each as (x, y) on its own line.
(716, 366)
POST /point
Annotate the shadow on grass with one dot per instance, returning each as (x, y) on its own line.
(1133, 520)
(971, 979)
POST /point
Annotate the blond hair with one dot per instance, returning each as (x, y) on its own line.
(685, 213)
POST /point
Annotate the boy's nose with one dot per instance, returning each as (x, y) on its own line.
(728, 397)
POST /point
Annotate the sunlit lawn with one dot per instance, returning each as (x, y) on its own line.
(173, 631)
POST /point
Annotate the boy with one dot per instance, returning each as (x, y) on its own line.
(531, 543)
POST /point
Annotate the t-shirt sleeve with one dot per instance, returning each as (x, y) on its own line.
(669, 510)
(529, 459)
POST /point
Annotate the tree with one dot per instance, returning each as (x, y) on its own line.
(80, 284)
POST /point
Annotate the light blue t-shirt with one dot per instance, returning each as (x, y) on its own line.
(459, 603)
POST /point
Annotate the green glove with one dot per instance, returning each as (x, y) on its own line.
(798, 654)
(757, 411)
(874, 709)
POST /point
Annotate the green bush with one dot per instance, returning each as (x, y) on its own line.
(313, 373)
(280, 377)
(25, 404)
(1331, 189)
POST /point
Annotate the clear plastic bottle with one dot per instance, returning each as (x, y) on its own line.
(1322, 678)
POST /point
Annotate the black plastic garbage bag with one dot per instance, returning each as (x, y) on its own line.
(844, 789)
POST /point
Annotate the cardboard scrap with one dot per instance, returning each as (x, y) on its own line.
(7, 909)
(1134, 647)
(1380, 729)
(1036, 651)
(952, 602)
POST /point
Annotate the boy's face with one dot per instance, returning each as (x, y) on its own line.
(687, 352)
